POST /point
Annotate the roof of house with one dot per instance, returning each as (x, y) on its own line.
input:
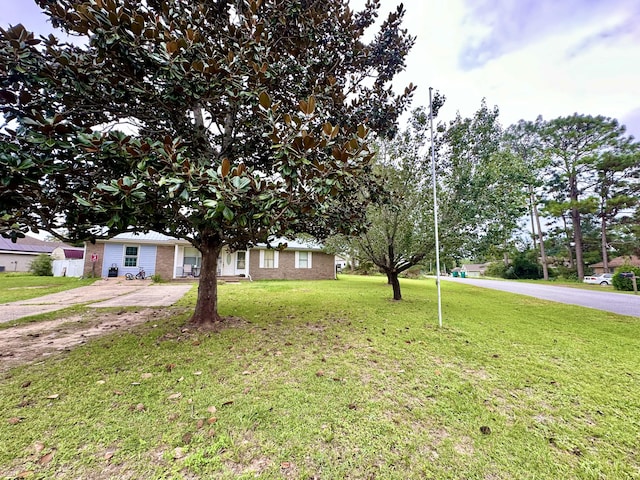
(148, 237)
(76, 253)
(475, 267)
(28, 245)
(296, 244)
(155, 237)
(619, 261)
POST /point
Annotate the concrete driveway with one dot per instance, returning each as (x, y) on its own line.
(610, 301)
(103, 293)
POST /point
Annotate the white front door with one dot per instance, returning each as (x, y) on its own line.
(231, 264)
(226, 263)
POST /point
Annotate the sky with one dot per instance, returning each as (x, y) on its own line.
(529, 57)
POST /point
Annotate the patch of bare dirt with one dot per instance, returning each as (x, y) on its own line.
(36, 341)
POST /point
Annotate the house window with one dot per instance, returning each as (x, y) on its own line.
(192, 256)
(303, 259)
(268, 259)
(130, 256)
(240, 260)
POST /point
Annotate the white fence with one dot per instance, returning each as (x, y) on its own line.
(68, 268)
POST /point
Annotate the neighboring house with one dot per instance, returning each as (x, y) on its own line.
(615, 263)
(17, 257)
(474, 269)
(172, 258)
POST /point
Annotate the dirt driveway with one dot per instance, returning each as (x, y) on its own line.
(103, 293)
(31, 342)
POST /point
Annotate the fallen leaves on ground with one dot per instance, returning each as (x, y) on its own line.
(45, 459)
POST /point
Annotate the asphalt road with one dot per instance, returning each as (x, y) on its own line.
(609, 301)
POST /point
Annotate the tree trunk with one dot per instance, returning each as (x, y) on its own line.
(206, 311)
(395, 283)
(566, 234)
(543, 253)
(532, 206)
(605, 255)
(577, 238)
(577, 227)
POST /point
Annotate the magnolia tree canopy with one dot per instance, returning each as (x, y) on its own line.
(222, 122)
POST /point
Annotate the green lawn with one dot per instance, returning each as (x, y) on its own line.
(23, 286)
(333, 380)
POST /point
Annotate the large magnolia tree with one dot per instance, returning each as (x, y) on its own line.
(223, 122)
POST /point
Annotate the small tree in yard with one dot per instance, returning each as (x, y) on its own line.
(400, 233)
(242, 120)
(42, 266)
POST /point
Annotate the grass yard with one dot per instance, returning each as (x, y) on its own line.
(23, 286)
(333, 380)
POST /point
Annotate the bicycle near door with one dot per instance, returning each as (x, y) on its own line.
(141, 275)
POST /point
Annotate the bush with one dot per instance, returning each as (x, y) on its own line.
(42, 266)
(412, 272)
(566, 273)
(496, 270)
(622, 283)
(156, 278)
(524, 266)
(366, 268)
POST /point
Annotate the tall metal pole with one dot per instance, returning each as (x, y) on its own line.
(435, 210)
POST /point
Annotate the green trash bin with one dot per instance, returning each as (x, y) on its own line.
(463, 274)
(455, 273)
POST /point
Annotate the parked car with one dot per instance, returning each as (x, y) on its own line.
(601, 279)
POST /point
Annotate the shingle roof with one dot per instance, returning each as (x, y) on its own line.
(296, 244)
(619, 261)
(154, 237)
(73, 253)
(28, 244)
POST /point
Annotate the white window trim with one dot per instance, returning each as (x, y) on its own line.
(245, 260)
(124, 256)
(309, 261)
(276, 255)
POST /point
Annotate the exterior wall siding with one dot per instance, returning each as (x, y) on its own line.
(323, 267)
(17, 262)
(114, 255)
(159, 259)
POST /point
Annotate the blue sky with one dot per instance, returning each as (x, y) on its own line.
(529, 57)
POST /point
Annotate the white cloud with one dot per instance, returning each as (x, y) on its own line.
(529, 57)
(542, 57)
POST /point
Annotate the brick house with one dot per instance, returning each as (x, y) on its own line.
(173, 258)
(615, 263)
